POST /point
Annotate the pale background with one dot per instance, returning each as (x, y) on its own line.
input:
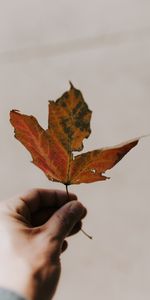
(103, 47)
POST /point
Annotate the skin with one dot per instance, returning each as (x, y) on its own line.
(33, 228)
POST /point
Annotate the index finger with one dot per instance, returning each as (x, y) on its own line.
(39, 198)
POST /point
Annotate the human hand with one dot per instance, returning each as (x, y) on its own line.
(33, 228)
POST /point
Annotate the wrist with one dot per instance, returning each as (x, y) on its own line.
(31, 282)
(17, 276)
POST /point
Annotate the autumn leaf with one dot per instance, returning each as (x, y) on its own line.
(52, 150)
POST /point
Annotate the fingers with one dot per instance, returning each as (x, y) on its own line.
(40, 198)
(63, 221)
(75, 230)
(43, 215)
(64, 246)
(77, 227)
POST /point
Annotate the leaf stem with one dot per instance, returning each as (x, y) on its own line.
(67, 192)
(86, 234)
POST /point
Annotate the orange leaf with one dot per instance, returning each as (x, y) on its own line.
(46, 151)
(52, 149)
(90, 166)
(69, 119)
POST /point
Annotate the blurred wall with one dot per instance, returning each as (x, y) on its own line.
(103, 47)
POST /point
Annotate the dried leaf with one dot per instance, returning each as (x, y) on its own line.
(69, 120)
(52, 149)
(89, 167)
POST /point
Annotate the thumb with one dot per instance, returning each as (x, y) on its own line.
(63, 221)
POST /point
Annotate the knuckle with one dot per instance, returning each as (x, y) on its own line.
(32, 191)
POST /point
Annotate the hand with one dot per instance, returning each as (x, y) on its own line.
(33, 228)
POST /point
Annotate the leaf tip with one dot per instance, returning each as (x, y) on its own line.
(14, 110)
(11, 115)
(71, 85)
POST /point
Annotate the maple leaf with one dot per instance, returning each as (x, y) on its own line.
(53, 149)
